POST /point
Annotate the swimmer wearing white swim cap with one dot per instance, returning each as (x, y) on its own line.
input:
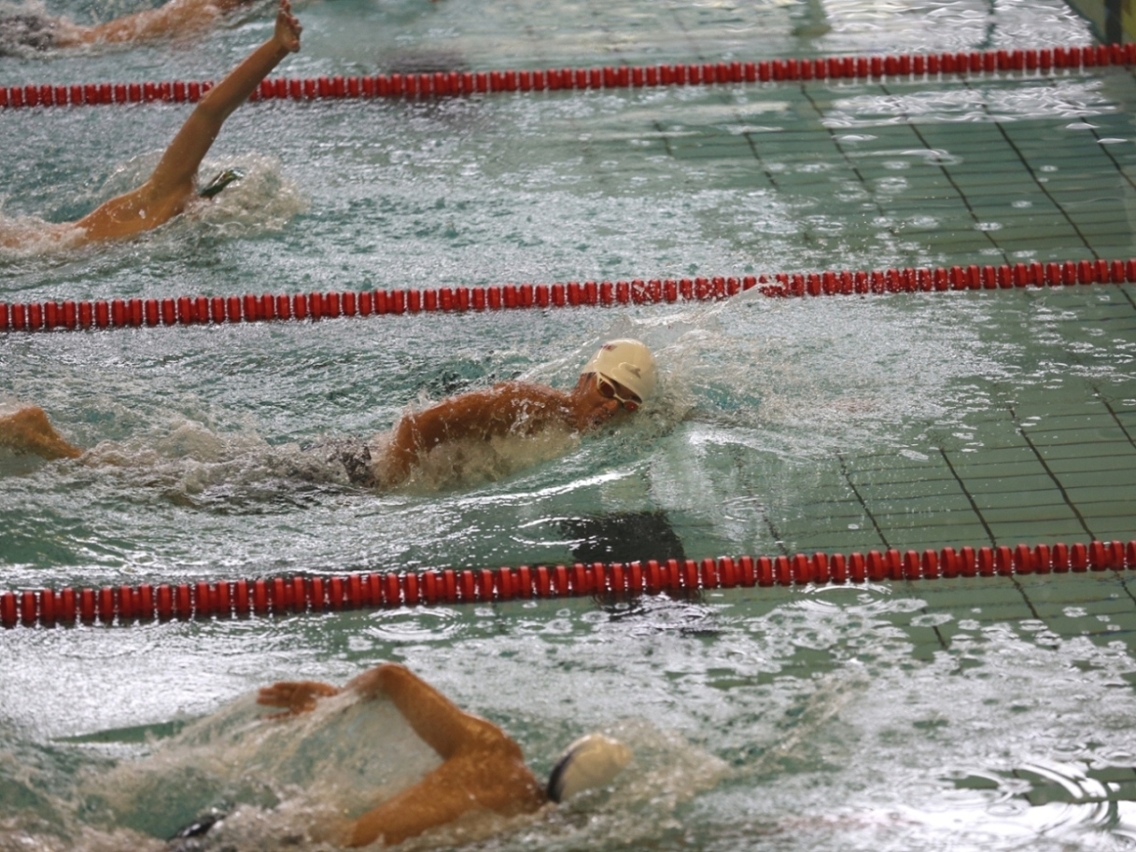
(482, 769)
(616, 382)
(625, 371)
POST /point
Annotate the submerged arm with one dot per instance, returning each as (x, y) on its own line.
(436, 800)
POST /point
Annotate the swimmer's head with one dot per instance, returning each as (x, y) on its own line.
(628, 362)
(590, 762)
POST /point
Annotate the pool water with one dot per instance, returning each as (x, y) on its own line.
(989, 713)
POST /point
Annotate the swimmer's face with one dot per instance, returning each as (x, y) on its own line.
(602, 399)
(611, 389)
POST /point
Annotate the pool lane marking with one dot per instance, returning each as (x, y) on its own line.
(282, 596)
(198, 310)
(895, 67)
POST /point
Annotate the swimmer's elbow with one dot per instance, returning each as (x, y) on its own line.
(370, 683)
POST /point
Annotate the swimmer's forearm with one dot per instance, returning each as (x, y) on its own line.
(179, 163)
(438, 721)
(386, 679)
(369, 684)
(416, 700)
(240, 83)
(176, 170)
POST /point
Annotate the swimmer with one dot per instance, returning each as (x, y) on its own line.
(617, 380)
(177, 17)
(174, 182)
(482, 769)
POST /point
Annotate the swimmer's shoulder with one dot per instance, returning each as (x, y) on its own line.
(528, 391)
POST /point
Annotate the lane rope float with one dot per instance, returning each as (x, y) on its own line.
(190, 310)
(280, 596)
(896, 67)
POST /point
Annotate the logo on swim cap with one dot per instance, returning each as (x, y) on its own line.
(628, 362)
(591, 761)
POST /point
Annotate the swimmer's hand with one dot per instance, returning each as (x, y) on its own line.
(297, 696)
(288, 28)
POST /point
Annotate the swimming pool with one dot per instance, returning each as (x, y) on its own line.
(932, 715)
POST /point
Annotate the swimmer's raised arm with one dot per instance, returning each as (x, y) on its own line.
(442, 724)
(188, 148)
(171, 186)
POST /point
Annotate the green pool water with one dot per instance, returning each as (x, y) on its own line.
(992, 713)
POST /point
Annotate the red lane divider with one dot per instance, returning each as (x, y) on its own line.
(189, 310)
(284, 595)
(1045, 60)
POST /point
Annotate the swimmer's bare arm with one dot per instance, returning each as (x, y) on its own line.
(416, 809)
(29, 431)
(177, 17)
(482, 768)
(441, 724)
(171, 185)
(504, 408)
(187, 150)
(449, 792)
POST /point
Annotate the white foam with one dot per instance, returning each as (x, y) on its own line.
(312, 771)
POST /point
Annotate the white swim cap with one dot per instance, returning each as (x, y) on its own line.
(628, 362)
(591, 761)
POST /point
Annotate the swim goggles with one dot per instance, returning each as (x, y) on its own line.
(220, 182)
(608, 390)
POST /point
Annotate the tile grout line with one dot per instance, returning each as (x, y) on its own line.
(968, 495)
(1045, 465)
(768, 521)
(760, 161)
(848, 478)
(942, 168)
(847, 160)
(1076, 358)
(993, 540)
(1029, 168)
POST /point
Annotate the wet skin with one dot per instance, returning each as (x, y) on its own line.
(509, 408)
